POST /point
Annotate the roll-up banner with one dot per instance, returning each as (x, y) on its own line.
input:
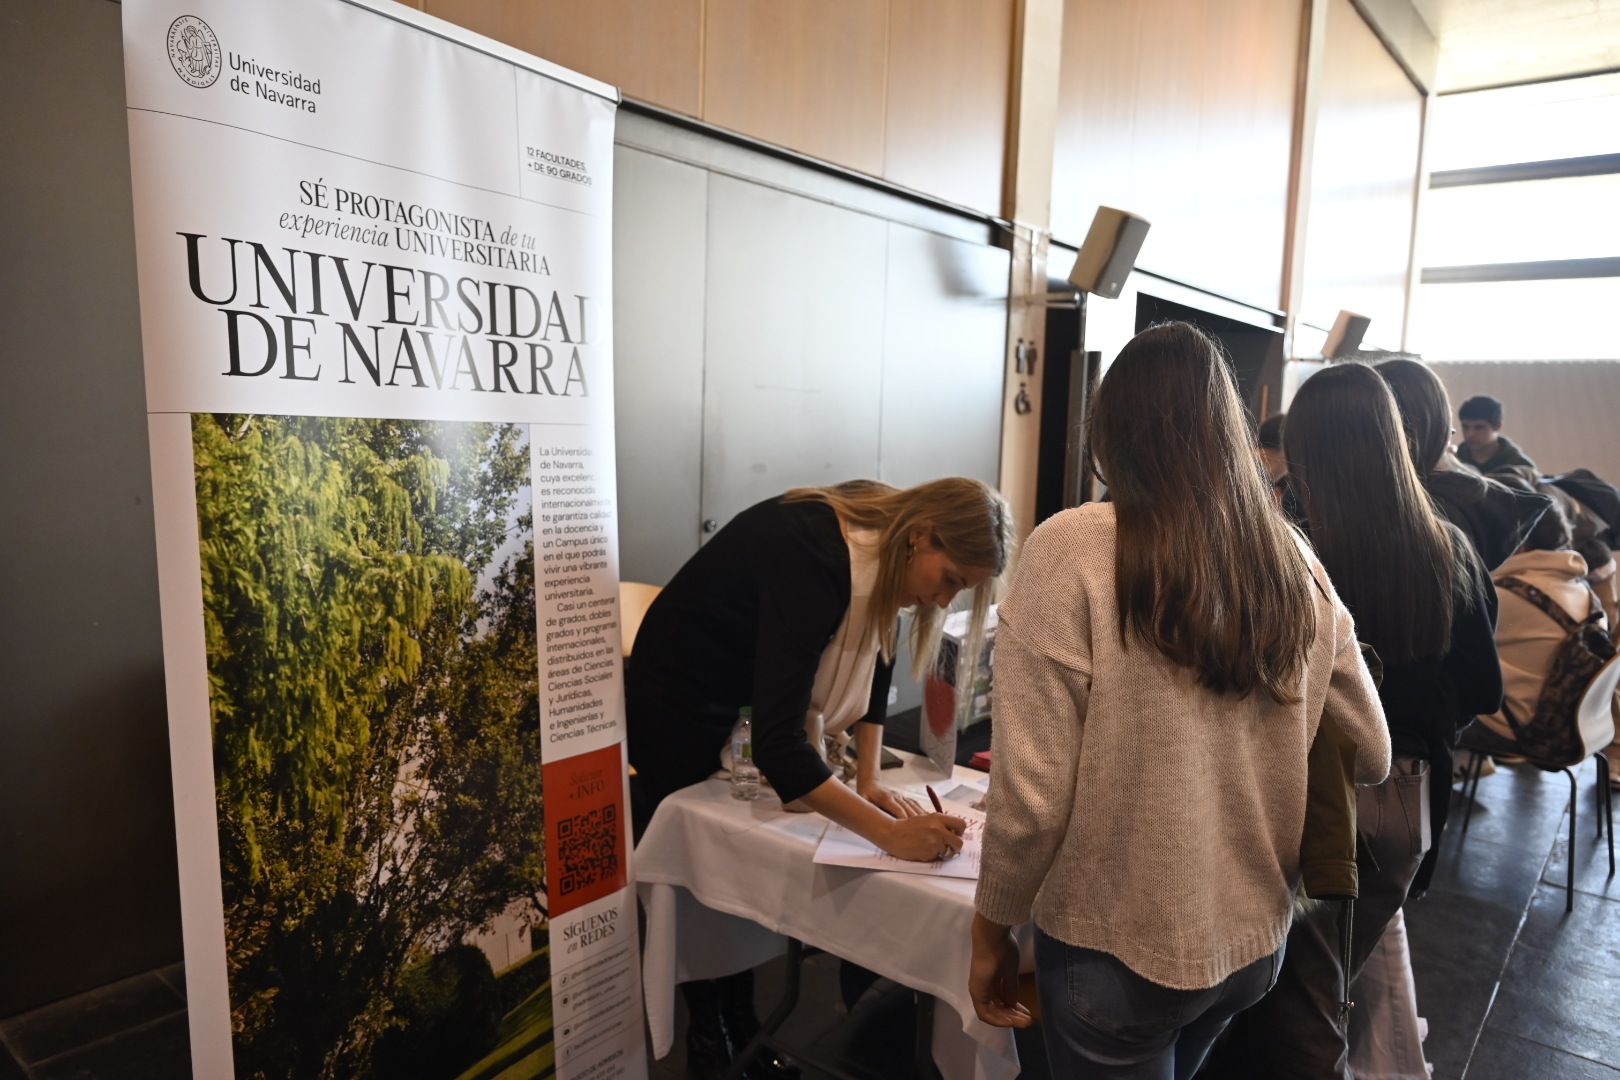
(374, 262)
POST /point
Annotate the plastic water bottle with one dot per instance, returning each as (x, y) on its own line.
(744, 773)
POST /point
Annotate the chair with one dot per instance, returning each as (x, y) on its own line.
(635, 598)
(1595, 720)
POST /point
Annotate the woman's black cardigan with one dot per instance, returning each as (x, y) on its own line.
(744, 622)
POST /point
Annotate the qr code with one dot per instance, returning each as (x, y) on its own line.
(589, 848)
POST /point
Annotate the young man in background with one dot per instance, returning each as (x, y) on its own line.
(1484, 446)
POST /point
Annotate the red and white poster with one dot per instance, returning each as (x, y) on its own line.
(375, 280)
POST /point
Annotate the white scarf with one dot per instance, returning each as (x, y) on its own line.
(843, 686)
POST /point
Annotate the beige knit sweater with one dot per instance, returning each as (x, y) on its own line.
(1131, 810)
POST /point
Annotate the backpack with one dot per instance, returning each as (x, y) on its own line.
(1594, 493)
(1552, 734)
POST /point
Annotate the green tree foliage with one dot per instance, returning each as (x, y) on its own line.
(450, 1006)
(375, 714)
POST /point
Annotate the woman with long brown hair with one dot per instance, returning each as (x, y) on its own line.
(792, 609)
(1163, 662)
(1422, 600)
(1493, 517)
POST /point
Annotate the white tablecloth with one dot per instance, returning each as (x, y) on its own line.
(723, 880)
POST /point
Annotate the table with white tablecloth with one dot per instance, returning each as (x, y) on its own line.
(725, 883)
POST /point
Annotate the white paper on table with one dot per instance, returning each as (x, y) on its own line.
(841, 847)
(971, 792)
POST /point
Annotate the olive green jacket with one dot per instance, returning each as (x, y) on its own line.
(1327, 850)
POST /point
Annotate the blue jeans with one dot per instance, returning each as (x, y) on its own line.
(1101, 1019)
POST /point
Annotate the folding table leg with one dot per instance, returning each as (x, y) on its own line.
(923, 1052)
(779, 1015)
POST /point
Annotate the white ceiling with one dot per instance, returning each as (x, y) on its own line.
(1489, 42)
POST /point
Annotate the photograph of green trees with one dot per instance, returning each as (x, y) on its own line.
(368, 594)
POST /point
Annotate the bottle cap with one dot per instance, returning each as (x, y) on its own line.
(746, 712)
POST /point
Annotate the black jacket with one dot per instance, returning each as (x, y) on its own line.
(744, 622)
(1428, 702)
(1598, 496)
(1507, 455)
(1494, 517)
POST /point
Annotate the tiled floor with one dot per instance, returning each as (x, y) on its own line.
(1512, 987)
(134, 1029)
(875, 1040)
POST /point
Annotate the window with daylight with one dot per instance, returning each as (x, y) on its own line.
(1519, 234)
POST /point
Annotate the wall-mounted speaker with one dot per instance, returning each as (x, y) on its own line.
(1345, 337)
(1109, 253)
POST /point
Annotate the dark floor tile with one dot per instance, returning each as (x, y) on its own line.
(878, 1040)
(817, 1011)
(1520, 806)
(1591, 859)
(1464, 928)
(874, 1041)
(1503, 874)
(1459, 945)
(1558, 1002)
(157, 1051)
(1501, 1056)
(53, 1029)
(814, 1015)
(1590, 934)
(174, 977)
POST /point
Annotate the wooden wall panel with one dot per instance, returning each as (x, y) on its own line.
(806, 74)
(649, 49)
(1364, 166)
(1182, 111)
(1560, 411)
(949, 79)
(916, 91)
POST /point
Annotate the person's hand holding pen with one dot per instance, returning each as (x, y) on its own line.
(939, 808)
(925, 837)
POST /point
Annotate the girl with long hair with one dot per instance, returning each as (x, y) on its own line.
(1494, 518)
(792, 609)
(1421, 599)
(1163, 662)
